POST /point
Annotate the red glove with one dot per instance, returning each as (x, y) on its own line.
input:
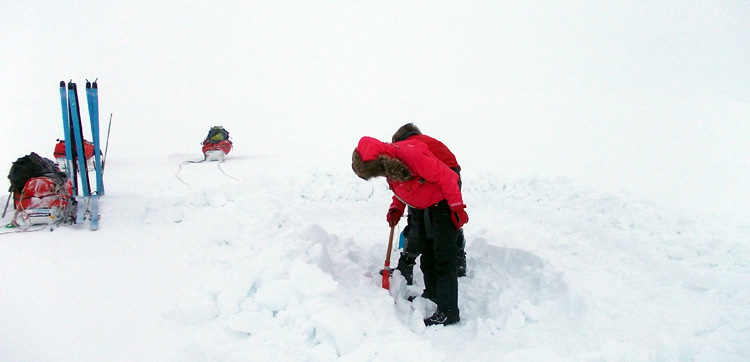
(394, 215)
(459, 216)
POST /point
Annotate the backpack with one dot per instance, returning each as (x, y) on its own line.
(216, 134)
(31, 166)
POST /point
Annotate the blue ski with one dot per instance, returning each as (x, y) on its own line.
(92, 98)
(94, 212)
(75, 119)
(66, 130)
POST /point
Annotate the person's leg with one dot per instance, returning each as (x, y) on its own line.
(412, 247)
(427, 258)
(461, 254)
(444, 254)
(411, 232)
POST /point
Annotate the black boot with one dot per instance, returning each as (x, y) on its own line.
(406, 267)
(461, 264)
(441, 317)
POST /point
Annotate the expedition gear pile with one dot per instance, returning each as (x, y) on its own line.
(217, 144)
(42, 194)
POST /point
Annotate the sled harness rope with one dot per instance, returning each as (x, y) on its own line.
(177, 174)
(23, 215)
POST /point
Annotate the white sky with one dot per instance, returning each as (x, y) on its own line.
(650, 97)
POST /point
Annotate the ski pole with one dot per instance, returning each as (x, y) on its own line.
(7, 202)
(386, 268)
(106, 146)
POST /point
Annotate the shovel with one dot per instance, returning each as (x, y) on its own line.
(386, 268)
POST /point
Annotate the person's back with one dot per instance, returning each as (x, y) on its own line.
(439, 149)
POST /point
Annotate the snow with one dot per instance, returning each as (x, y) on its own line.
(605, 172)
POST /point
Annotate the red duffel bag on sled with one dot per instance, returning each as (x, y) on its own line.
(217, 144)
(88, 153)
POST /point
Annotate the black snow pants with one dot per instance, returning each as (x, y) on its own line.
(437, 236)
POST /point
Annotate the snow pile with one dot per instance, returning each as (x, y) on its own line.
(284, 265)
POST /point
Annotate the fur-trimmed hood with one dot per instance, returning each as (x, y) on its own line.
(373, 158)
(414, 174)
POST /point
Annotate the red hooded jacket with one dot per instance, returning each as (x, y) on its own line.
(439, 149)
(433, 181)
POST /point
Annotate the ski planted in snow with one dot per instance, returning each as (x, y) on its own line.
(67, 131)
(84, 207)
(92, 98)
(75, 119)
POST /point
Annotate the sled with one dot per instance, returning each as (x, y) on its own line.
(216, 145)
(44, 201)
(217, 151)
(215, 155)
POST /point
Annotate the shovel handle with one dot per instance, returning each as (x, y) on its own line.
(390, 246)
(386, 269)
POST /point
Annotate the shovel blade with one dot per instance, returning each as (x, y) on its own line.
(387, 279)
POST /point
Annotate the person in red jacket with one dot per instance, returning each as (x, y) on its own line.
(411, 251)
(420, 180)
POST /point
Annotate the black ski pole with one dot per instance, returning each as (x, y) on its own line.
(7, 202)
(106, 146)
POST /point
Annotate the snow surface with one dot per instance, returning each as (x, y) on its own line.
(605, 171)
